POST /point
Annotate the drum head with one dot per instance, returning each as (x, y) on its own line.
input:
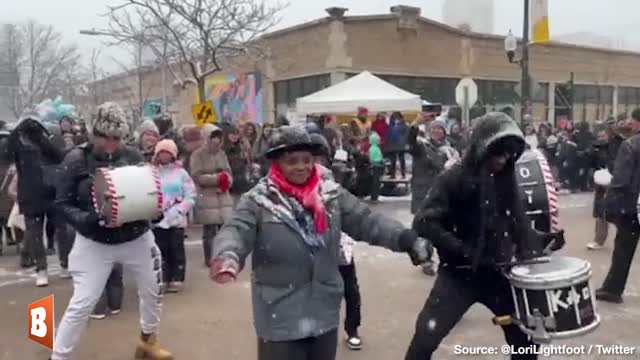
(102, 194)
(558, 268)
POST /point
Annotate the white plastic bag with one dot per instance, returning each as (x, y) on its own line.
(602, 177)
(341, 155)
(16, 219)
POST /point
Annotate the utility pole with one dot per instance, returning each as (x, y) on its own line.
(572, 95)
(524, 64)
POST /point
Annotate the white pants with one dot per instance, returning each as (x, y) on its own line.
(90, 264)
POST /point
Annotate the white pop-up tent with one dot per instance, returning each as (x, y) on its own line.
(364, 89)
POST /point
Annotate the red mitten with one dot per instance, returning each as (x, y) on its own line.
(224, 181)
(223, 270)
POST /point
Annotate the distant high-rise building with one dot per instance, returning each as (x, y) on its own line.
(474, 15)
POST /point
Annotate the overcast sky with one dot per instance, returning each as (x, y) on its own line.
(613, 18)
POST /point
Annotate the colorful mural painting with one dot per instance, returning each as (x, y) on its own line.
(237, 98)
(152, 107)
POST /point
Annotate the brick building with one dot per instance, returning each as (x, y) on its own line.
(419, 55)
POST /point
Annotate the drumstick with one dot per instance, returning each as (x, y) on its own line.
(547, 250)
(539, 260)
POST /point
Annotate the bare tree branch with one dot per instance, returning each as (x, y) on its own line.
(198, 34)
(40, 61)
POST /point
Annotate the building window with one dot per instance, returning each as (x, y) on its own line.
(295, 91)
(288, 91)
(606, 94)
(495, 92)
(594, 94)
(628, 96)
(579, 94)
(436, 90)
(542, 95)
(281, 92)
(623, 95)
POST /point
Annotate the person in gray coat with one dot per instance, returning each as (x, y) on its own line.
(291, 223)
(428, 160)
(426, 147)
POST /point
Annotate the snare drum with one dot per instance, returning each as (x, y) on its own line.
(126, 194)
(554, 300)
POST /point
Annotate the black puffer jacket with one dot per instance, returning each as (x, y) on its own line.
(239, 168)
(622, 197)
(75, 202)
(37, 157)
(475, 218)
(603, 156)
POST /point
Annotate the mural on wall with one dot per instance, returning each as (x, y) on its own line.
(237, 98)
(152, 107)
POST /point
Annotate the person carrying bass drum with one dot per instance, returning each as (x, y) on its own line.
(475, 218)
(99, 247)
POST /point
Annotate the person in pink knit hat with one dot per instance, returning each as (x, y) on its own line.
(178, 198)
(149, 137)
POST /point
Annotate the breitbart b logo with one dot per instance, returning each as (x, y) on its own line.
(41, 321)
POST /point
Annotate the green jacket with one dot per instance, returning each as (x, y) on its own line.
(375, 153)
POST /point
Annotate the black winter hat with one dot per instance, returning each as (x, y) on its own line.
(324, 144)
(291, 138)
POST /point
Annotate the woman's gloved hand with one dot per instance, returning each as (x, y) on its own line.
(223, 269)
(421, 252)
(419, 249)
(224, 181)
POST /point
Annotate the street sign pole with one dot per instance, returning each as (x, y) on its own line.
(466, 97)
(524, 63)
(465, 108)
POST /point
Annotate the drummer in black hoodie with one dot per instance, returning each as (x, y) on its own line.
(475, 218)
(99, 247)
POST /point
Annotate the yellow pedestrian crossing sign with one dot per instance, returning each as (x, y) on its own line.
(204, 113)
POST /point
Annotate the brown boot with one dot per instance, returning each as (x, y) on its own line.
(150, 349)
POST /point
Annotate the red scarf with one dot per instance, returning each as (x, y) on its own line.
(308, 194)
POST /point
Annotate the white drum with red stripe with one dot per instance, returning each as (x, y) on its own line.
(538, 192)
(126, 194)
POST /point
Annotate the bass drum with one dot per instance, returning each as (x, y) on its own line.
(537, 191)
(126, 194)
